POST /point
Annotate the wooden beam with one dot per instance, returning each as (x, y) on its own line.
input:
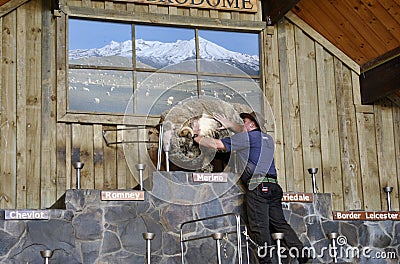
(380, 60)
(274, 10)
(380, 81)
(8, 6)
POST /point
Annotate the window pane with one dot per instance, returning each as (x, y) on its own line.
(100, 90)
(100, 43)
(159, 47)
(233, 90)
(158, 92)
(240, 50)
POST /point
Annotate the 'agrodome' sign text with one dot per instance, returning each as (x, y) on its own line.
(236, 5)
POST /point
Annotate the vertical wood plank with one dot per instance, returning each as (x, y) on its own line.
(108, 5)
(213, 13)
(173, 10)
(368, 160)
(86, 156)
(396, 124)
(141, 8)
(8, 129)
(122, 170)
(49, 107)
(21, 201)
(63, 179)
(75, 151)
(291, 110)
(309, 110)
(86, 3)
(153, 8)
(110, 164)
(98, 156)
(41, 182)
(386, 150)
(33, 114)
(61, 55)
(353, 197)
(131, 154)
(273, 95)
(330, 151)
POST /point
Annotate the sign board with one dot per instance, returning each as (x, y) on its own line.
(123, 195)
(210, 177)
(26, 214)
(366, 216)
(226, 5)
(298, 197)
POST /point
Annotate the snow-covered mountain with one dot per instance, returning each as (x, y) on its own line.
(159, 54)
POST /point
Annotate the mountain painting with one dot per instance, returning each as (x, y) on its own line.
(109, 88)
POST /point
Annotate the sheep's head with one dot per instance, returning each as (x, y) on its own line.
(178, 126)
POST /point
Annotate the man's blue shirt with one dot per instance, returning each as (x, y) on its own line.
(255, 150)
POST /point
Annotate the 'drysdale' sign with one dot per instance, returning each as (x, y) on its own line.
(233, 5)
(297, 197)
(26, 214)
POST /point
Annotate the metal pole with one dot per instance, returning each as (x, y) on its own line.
(332, 237)
(239, 239)
(278, 237)
(167, 160)
(313, 171)
(140, 167)
(148, 237)
(46, 254)
(78, 166)
(160, 146)
(217, 237)
(388, 190)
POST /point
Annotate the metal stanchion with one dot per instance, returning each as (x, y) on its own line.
(278, 237)
(388, 190)
(313, 171)
(148, 237)
(46, 254)
(217, 237)
(160, 146)
(140, 167)
(78, 166)
(332, 236)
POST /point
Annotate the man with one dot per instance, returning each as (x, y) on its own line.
(263, 196)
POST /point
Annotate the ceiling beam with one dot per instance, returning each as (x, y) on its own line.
(274, 10)
(380, 81)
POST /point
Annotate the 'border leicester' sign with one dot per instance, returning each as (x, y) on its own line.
(130, 195)
(26, 215)
(297, 197)
(366, 216)
(210, 177)
(232, 5)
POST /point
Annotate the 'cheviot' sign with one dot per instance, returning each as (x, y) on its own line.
(26, 214)
(233, 5)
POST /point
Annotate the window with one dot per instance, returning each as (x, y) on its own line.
(123, 68)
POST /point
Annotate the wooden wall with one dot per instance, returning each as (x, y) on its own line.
(312, 87)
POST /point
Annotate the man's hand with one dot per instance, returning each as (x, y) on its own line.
(196, 129)
(227, 124)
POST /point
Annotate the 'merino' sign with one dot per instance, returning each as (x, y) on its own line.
(234, 5)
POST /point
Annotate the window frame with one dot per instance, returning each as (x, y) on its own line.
(62, 63)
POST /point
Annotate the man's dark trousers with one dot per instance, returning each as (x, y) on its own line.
(265, 215)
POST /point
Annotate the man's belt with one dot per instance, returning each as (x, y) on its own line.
(260, 180)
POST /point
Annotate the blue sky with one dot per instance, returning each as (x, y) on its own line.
(84, 34)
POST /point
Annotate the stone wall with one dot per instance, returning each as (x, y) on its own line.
(90, 230)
